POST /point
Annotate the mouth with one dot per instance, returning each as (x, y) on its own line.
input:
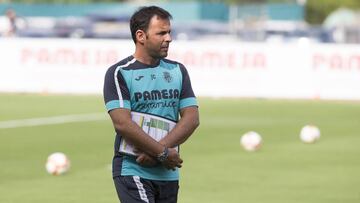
(164, 48)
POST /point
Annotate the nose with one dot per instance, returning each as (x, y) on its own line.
(168, 37)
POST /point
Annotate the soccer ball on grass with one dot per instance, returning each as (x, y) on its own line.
(251, 141)
(57, 164)
(309, 134)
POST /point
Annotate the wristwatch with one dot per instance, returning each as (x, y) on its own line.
(163, 155)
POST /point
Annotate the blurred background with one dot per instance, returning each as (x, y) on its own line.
(252, 47)
(323, 21)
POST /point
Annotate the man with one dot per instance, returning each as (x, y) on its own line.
(11, 27)
(144, 95)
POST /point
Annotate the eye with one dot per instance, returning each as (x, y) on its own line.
(164, 32)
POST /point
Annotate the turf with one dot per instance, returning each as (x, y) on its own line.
(216, 169)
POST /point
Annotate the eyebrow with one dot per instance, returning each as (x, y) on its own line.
(164, 31)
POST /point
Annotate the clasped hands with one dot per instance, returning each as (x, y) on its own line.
(173, 160)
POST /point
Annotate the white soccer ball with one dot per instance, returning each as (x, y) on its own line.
(309, 134)
(57, 163)
(251, 141)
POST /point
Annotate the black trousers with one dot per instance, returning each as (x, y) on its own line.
(133, 189)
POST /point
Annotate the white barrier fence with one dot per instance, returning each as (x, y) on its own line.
(230, 69)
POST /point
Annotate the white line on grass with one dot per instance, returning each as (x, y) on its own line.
(53, 120)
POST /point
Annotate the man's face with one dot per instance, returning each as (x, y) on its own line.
(158, 37)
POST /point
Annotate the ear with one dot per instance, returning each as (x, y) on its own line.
(140, 36)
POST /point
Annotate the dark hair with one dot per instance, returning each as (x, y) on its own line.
(140, 20)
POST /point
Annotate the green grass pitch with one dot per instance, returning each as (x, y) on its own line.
(216, 169)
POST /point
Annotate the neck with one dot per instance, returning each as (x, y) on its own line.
(146, 59)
